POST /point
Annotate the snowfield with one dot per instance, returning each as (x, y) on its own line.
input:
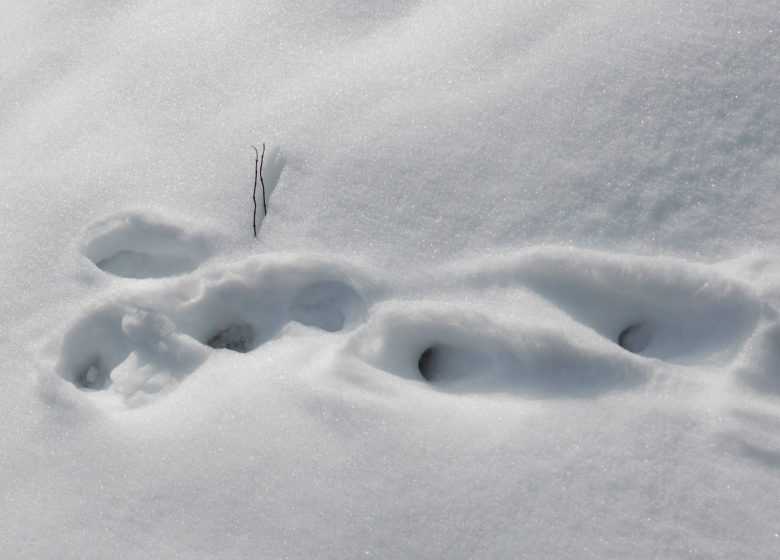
(517, 294)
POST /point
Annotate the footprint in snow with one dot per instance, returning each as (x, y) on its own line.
(242, 313)
(133, 245)
(146, 345)
(668, 309)
(457, 350)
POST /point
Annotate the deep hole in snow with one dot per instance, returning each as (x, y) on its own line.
(426, 363)
(636, 338)
(92, 377)
(237, 337)
(444, 362)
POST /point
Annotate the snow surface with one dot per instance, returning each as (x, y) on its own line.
(516, 296)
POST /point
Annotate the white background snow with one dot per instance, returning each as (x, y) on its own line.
(471, 204)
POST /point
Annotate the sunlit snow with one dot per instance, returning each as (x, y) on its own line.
(517, 293)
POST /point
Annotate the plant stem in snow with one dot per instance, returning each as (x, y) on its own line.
(254, 193)
(262, 156)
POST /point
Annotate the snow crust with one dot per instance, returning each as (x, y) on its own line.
(516, 295)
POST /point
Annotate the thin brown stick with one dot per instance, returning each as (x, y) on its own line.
(254, 193)
(265, 208)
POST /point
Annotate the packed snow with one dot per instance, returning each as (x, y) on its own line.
(517, 294)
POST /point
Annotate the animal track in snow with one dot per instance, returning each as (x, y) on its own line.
(661, 308)
(608, 313)
(636, 338)
(148, 343)
(133, 245)
(93, 347)
(440, 359)
(241, 312)
(459, 350)
(130, 350)
(237, 337)
(327, 305)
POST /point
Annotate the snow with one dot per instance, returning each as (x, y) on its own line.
(516, 294)
(140, 246)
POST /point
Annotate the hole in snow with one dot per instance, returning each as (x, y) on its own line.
(326, 305)
(137, 246)
(445, 362)
(92, 377)
(92, 348)
(426, 364)
(238, 338)
(133, 264)
(636, 338)
(456, 352)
